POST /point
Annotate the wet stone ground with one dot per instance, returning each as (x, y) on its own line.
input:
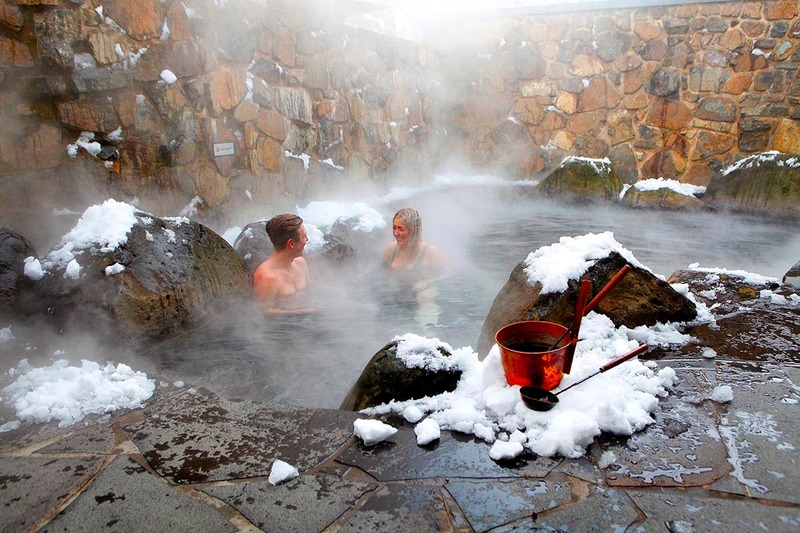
(191, 461)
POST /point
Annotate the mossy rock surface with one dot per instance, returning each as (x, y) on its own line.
(767, 183)
(175, 273)
(582, 180)
(661, 199)
(640, 299)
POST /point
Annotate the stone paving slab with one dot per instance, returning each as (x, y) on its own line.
(491, 503)
(682, 448)
(602, 510)
(401, 508)
(200, 437)
(309, 503)
(697, 512)
(97, 438)
(454, 455)
(126, 497)
(35, 487)
(759, 428)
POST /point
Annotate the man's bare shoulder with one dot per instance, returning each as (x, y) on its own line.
(264, 272)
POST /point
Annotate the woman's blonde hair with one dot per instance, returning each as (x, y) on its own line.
(413, 221)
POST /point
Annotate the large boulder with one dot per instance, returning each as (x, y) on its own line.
(364, 243)
(14, 248)
(253, 245)
(640, 299)
(767, 183)
(755, 317)
(582, 180)
(792, 277)
(664, 198)
(389, 376)
(154, 278)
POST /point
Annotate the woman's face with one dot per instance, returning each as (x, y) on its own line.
(400, 232)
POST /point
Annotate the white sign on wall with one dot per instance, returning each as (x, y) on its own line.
(223, 149)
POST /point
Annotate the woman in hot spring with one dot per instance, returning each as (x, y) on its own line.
(414, 265)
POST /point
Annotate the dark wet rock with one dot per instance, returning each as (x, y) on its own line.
(31, 487)
(759, 430)
(747, 325)
(175, 273)
(665, 82)
(792, 277)
(611, 45)
(680, 449)
(55, 32)
(126, 497)
(402, 508)
(14, 248)
(680, 510)
(253, 245)
(361, 242)
(768, 183)
(386, 377)
(661, 199)
(604, 509)
(639, 299)
(491, 504)
(582, 181)
(454, 455)
(623, 159)
(94, 79)
(97, 438)
(307, 503)
(200, 437)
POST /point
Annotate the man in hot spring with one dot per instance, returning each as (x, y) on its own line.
(281, 281)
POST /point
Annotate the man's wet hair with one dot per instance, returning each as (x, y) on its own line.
(281, 228)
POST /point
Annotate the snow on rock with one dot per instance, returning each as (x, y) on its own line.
(103, 227)
(654, 184)
(747, 277)
(600, 166)
(620, 401)
(372, 431)
(6, 335)
(751, 161)
(324, 213)
(554, 265)
(423, 352)
(282, 472)
(168, 77)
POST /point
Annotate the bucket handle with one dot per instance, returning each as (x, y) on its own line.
(576, 324)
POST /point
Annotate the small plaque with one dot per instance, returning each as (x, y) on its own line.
(223, 149)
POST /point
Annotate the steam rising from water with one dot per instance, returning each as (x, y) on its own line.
(482, 230)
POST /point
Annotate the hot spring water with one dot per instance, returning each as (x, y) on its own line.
(484, 234)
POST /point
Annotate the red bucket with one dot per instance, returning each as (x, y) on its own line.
(525, 354)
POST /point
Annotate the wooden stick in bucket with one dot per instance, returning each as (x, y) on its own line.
(576, 324)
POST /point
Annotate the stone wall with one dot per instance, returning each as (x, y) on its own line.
(270, 103)
(674, 92)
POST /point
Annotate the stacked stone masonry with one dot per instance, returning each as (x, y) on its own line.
(677, 92)
(262, 101)
(281, 101)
